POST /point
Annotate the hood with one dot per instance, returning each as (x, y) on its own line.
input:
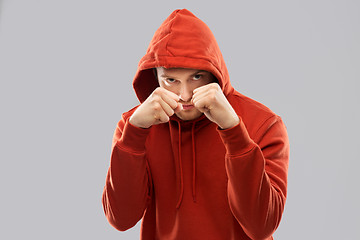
(182, 41)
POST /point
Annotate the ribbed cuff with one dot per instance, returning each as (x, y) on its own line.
(133, 137)
(236, 139)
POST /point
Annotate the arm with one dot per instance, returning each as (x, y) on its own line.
(128, 182)
(256, 168)
(257, 175)
(127, 189)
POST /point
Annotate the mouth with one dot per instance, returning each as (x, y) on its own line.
(187, 106)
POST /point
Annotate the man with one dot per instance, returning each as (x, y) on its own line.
(196, 159)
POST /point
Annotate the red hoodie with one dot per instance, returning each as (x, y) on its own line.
(191, 179)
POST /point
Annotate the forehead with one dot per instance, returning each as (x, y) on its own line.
(178, 71)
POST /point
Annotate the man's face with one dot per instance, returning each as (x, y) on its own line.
(182, 82)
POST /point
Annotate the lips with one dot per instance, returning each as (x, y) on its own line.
(187, 106)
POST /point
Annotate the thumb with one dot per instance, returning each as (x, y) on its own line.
(178, 108)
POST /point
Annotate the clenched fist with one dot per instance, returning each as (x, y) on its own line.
(156, 109)
(211, 100)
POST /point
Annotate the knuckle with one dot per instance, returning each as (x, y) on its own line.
(212, 97)
(156, 106)
(197, 104)
(173, 105)
(214, 89)
(158, 91)
(156, 98)
(214, 86)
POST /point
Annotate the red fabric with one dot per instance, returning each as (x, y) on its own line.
(190, 179)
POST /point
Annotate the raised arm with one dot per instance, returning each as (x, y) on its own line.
(257, 175)
(128, 182)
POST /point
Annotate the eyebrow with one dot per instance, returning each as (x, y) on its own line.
(197, 72)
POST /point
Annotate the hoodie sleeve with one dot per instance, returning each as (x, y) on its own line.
(257, 175)
(127, 188)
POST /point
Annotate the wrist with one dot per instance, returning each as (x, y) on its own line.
(135, 123)
(231, 123)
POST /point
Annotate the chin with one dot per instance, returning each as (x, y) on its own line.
(187, 116)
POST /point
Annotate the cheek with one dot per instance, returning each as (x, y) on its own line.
(169, 87)
(164, 84)
(208, 80)
(200, 83)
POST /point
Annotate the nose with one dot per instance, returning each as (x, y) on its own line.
(185, 93)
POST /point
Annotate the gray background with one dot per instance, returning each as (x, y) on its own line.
(66, 69)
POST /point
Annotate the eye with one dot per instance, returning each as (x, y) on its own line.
(197, 77)
(170, 80)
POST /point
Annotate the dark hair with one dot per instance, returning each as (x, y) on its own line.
(155, 73)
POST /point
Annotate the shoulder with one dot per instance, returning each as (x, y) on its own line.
(254, 114)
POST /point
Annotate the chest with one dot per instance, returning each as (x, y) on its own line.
(189, 153)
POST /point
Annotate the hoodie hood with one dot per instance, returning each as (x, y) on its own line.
(182, 41)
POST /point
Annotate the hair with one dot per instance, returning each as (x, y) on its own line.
(155, 73)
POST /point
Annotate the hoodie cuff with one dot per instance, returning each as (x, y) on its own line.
(133, 138)
(236, 139)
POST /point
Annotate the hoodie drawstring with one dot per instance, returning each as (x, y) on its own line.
(179, 162)
(194, 162)
(181, 172)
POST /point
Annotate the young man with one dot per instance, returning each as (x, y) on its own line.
(196, 159)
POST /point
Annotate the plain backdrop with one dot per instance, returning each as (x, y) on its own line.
(66, 70)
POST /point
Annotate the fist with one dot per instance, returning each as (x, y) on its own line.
(156, 109)
(211, 100)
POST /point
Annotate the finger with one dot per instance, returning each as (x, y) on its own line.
(178, 108)
(200, 89)
(168, 100)
(202, 105)
(206, 87)
(169, 94)
(161, 117)
(169, 111)
(200, 95)
(201, 92)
